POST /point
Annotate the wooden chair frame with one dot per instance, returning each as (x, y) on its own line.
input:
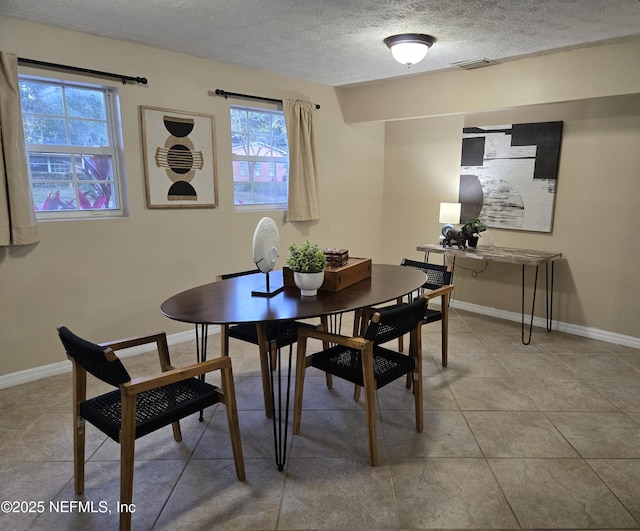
(129, 392)
(366, 347)
(444, 293)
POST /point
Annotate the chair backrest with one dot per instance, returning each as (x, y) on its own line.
(395, 321)
(437, 275)
(238, 274)
(101, 362)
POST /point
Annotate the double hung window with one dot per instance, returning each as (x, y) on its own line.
(72, 141)
(260, 157)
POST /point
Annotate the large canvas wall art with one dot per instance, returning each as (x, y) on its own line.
(179, 158)
(508, 175)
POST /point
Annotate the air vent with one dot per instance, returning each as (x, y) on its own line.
(474, 63)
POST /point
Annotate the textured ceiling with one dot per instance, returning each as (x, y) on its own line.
(339, 42)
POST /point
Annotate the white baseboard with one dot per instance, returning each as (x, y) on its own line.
(576, 330)
(61, 367)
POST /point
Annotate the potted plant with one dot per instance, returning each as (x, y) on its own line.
(307, 262)
(473, 228)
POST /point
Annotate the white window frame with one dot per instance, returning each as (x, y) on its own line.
(115, 150)
(250, 160)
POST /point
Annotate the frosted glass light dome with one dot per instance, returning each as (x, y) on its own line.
(409, 48)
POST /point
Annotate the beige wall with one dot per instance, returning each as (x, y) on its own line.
(381, 186)
(107, 278)
(596, 93)
(597, 206)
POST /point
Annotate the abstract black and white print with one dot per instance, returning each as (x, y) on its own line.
(508, 175)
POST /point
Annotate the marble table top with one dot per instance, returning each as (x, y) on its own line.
(492, 252)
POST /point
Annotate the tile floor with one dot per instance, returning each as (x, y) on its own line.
(539, 437)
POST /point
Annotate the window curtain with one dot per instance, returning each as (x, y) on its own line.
(18, 225)
(303, 179)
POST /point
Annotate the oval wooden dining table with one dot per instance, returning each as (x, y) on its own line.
(231, 301)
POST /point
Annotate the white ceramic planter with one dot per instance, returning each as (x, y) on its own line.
(308, 282)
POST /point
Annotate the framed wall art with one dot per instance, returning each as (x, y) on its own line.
(179, 158)
(508, 175)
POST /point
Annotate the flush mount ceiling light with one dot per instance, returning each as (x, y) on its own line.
(409, 48)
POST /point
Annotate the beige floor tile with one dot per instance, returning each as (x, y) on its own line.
(30, 482)
(559, 494)
(623, 391)
(329, 493)
(256, 433)
(622, 476)
(484, 325)
(459, 493)
(208, 495)
(536, 364)
(631, 358)
(460, 343)
(559, 342)
(316, 395)
(500, 343)
(602, 435)
(153, 482)
(445, 434)
(473, 393)
(597, 365)
(337, 433)
(50, 394)
(517, 434)
(478, 364)
(49, 437)
(566, 394)
(435, 391)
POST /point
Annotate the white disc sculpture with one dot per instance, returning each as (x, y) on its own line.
(265, 248)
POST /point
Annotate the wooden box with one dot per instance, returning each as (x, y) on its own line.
(337, 257)
(337, 278)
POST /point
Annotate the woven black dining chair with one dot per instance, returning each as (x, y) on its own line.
(364, 362)
(141, 406)
(438, 284)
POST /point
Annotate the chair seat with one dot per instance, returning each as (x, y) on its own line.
(362, 361)
(284, 333)
(431, 316)
(155, 409)
(344, 362)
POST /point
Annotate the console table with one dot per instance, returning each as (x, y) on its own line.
(523, 257)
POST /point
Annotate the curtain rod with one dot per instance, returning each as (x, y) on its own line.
(95, 73)
(220, 92)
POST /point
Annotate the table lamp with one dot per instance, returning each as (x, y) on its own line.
(449, 214)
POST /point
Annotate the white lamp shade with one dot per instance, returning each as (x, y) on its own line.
(450, 212)
(409, 53)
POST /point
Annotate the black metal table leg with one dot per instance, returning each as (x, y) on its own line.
(334, 322)
(549, 301)
(280, 428)
(533, 305)
(201, 343)
(549, 296)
